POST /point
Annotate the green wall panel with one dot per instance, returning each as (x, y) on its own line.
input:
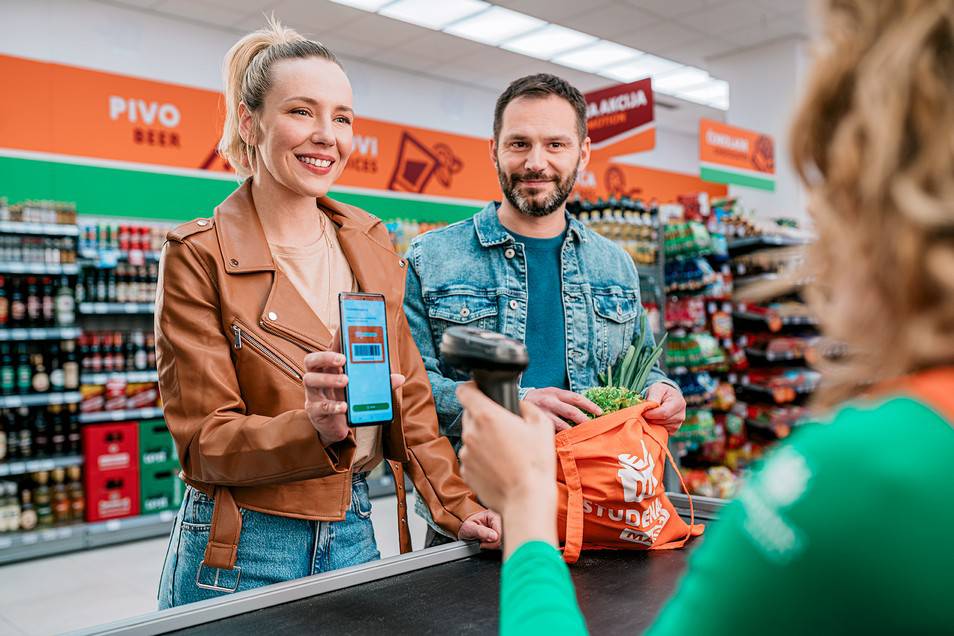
(106, 191)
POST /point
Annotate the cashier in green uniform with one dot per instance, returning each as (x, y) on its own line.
(844, 528)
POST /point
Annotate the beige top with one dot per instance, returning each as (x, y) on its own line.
(319, 272)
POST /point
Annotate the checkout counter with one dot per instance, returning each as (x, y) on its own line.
(451, 589)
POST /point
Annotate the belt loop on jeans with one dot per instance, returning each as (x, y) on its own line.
(221, 551)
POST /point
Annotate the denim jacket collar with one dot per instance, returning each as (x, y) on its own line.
(490, 231)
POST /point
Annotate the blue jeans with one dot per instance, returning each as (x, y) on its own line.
(271, 549)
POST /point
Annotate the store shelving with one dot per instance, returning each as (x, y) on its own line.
(39, 269)
(39, 399)
(750, 243)
(117, 308)
(19, 546)
(128, 376)
(43, 333)
(45, 229)
(35, 465)
(771, 318)
(148, 413)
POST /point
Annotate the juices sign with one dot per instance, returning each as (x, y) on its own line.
(728, 154)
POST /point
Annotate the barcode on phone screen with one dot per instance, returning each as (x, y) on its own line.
(366, 352)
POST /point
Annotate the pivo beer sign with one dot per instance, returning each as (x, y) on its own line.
(64, 110)
(620, 119)
(728, 154)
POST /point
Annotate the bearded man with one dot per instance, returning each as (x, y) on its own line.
(524, 268)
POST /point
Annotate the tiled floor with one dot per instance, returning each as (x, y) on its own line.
(58, 594)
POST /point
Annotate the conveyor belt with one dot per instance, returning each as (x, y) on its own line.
(451, 589)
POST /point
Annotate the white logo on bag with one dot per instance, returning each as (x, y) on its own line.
(636, 476)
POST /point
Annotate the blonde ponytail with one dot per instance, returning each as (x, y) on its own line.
(246, 73)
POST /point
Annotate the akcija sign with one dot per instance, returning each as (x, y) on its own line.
(620, 119)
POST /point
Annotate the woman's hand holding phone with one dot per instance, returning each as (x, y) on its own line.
(324, 383)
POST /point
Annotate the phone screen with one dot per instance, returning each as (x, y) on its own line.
(364, 341)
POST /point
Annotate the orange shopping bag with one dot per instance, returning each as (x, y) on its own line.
(611, 492)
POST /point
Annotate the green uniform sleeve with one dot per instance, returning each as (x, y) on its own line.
(840, 531)
(536, 594)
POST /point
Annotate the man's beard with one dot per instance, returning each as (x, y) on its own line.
(510, 185)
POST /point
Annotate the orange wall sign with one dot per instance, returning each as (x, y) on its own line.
(728, 154)
(65, 110)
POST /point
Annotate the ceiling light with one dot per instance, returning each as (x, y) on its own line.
(681, 79)
(494, 26)
(433, 14)
(597, 56)
(549, 41)
(714, 90)
(367, 5)
(643, 66)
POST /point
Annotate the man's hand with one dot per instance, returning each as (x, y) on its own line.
(559, 405)
(484, 527)
(671, 412)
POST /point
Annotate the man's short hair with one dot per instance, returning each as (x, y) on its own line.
(539, 86)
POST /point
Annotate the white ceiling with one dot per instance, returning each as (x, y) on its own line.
(688, 31)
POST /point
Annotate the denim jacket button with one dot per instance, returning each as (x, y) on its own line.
(464, 312)
(619, 310)
(514, 304)
(509, 253)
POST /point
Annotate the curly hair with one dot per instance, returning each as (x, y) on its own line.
(873, 141)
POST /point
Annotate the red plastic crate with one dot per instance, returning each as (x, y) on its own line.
(112, 494)
(111, 447)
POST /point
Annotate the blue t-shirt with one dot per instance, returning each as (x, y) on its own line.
(546, 324)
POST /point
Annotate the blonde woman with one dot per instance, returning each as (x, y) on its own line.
(845, 528)
(246, 326)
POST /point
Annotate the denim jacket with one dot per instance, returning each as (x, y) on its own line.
(474, 273)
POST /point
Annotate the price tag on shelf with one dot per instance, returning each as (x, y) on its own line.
(12, 401)
(167, 515)
(100, 308)
(55, 399)
(19, 334)
(131, 308)
(64, 533)
(48, 535)
(5, 543)
(29, 538)
(113, 526)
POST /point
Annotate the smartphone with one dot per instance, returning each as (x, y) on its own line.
(364, 342)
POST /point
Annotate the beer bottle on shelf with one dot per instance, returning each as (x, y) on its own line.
(28, 517)
(24, 370)
(111, 287)
(47, 302)
(3, 438)
(105, 354)
(101, 287)
(129, 351)
(71, 371)
(122, 286)
(76, 493)
(59, 424)
(26, 432)
(57, 374)
(73, 434)
(41, 378)
(4, 304)
(13, 433)
(62, 512)
(8, 374)
(150, 350)
(119, 360)
(41, 432)
(11, 506)
(141, 357)
(34, 305)
(95, 359)
(17, 304)
(43, 498)
(65, 303)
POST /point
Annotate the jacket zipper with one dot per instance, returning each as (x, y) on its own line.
(243, 337)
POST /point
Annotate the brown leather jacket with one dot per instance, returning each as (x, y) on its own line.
(231, 335)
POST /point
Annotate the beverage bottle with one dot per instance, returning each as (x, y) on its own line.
(65, 303)
(73, 434)
(17, 304)
(62, 512)
(34, 304)
(8, 375)
(59, 423)
(28, 516)
(71, 370)
(26, 432)
(24, 370)
(76, 493)
(41, 378)
(43, 499)
(41, 433)
(4, 304)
